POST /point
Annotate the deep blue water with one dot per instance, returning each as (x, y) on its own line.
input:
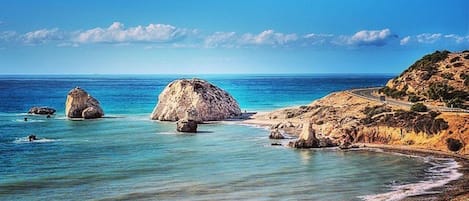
(133, 158)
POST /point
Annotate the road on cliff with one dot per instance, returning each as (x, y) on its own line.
(368, 93)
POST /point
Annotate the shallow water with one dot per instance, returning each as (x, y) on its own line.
(129, 157)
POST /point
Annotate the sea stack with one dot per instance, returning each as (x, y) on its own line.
(307, 138)
(80, 104)
(209, 102)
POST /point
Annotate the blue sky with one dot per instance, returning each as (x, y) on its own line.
(244, 36)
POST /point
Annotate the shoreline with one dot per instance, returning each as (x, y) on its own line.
(457, 190)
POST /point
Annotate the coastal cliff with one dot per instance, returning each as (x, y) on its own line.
(346, 118)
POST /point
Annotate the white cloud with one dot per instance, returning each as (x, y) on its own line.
(268, 37)
(42, 36)
(372, 37)
(405, 40)
(117, 33)
(428, 38)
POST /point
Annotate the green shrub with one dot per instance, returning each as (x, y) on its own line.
(459, 64)
(394, 93)
(448, 76)
(418, 107)
(455, 59)
(414, 98)
(455, 103)
(427, 62)
(453, 144)
(439, 91)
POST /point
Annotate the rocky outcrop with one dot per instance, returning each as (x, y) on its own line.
(187, 126)
(307, 138)
(276, 134)
(80, 104)
(209, 102)
(42, 110)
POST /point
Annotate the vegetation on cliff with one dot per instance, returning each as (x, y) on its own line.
(441, 78)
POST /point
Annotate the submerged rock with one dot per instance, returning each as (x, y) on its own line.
(41, 110)
(209, 102)
(80, 104)
(307, 138)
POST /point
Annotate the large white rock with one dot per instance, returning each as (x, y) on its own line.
(209, 102)
(80, 104)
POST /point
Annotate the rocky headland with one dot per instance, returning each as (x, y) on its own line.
(343, 118)
(204, 100)
(397, 119)
(80, 104)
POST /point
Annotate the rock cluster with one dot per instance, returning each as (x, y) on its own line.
(42, 110)
(80, 104)
(209, 102)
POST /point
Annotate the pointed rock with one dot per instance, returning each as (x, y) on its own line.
(307, 138)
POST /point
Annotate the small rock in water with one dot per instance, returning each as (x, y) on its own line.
(187, 126)
(42, 110)
(275, 134)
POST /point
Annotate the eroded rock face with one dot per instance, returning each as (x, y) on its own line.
(209, 102)
(42, 110)
(80, 104)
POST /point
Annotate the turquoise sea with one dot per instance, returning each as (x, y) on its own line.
(126, 156)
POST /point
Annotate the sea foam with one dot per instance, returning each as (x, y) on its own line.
(443, 171)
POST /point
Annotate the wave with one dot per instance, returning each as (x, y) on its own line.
(29, 120)
(443, 171)
(39, 140)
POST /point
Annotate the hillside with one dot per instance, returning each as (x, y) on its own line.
(440, 78)
(344, 117)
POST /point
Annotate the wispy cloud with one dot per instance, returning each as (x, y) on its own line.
(221, 39)
(428, 38)
(268, 37)
(7, 36)
(169, 36)
(42, 36)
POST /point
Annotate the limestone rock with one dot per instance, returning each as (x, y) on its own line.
(41, 110)
(80, 104)
(276, 134)
(307, 138)
(209, 102)
(188, 126)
